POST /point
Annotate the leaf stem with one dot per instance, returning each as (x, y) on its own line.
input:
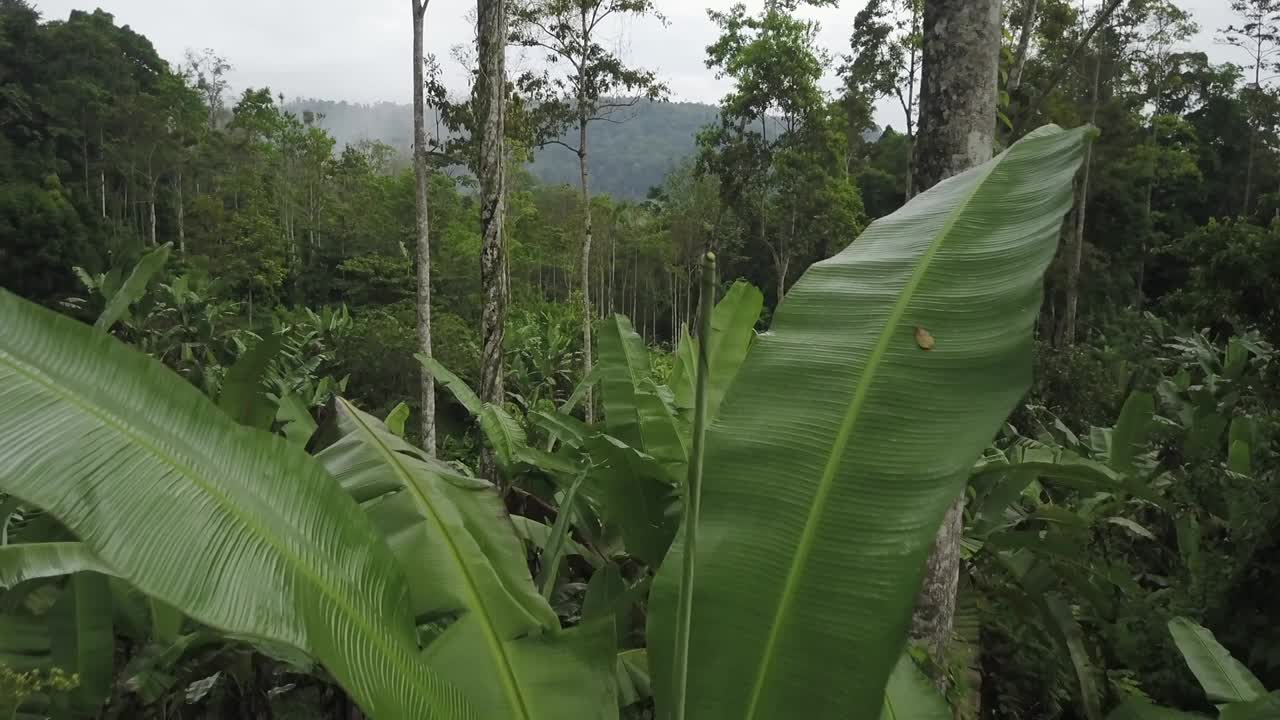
(693, 489)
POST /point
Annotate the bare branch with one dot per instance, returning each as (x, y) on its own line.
(562, 144)
(1061, 70)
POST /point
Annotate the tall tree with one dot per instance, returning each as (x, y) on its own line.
(422, 186)
(961, 48)
(569, 32)
(1258, 35)
(490, 103)
(884, 59)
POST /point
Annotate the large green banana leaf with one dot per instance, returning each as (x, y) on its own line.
(133, 288)
(637, 410)
(463, 560)
(1224, 679)
(733, 326)
(82, 641)
(31, 561)
(847, 433)
(237, 528)
(910, 696)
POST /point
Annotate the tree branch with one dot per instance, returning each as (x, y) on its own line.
(562, 144)
(1061, 71)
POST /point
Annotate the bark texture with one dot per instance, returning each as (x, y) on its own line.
(490, 88)
(961, 46)
(422, 178)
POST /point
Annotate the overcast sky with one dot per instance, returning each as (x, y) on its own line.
(359, 50)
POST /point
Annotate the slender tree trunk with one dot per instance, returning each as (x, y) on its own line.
(912, 127)
(1024, 44)
(588, 403)
(1248, 172)
(151, 208)
(422, 184)
(84, 159)
(182, 228)
(102, 172)
(1075, 258)
(490, 88)
(961, 47)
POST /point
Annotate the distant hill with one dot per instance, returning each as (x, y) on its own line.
(627, 158)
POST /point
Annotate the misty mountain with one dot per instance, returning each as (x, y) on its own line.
(627, 157)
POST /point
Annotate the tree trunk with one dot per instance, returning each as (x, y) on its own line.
(1248, 170)
(490, 88)
(151, 208)
(961, 48)
(588, 403)
(182, 228)
(1076, 252)
(102, 172)
(422, 183)
(1024, 43)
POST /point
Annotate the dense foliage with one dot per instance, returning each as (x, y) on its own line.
(211, 503)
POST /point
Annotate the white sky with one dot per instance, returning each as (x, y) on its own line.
(359, 50)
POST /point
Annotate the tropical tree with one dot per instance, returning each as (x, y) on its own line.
(568, 31)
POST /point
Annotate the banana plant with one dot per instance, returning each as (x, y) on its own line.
(850, 428)
(242, 531)
(1227, 683)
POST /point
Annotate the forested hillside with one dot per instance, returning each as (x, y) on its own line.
(634, 154)
(736, 412)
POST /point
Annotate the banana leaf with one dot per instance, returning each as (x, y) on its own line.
(237, 528)
(31, 561)
(464, 563)
(1224, 679)
(849, 430)
(910, 696)
(733, 325)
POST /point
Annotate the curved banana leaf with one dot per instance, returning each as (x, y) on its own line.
(1072, 635)
(733, 326)
(844, 438)
(82, 642)
(237, 528)
(635, 494)
(461, 391)
(30, 561)
(637, 410)
(464, 562)
(505, 436)
(1224, 679)
(133, 287)
(1129, 436)
(243, 396)
(633, 677)
(910, 696)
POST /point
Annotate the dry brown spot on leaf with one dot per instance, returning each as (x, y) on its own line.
(924, 339)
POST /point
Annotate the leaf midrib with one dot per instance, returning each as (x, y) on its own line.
(111, 421)
(495, 643)
(835, 458)
(1213, 657)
